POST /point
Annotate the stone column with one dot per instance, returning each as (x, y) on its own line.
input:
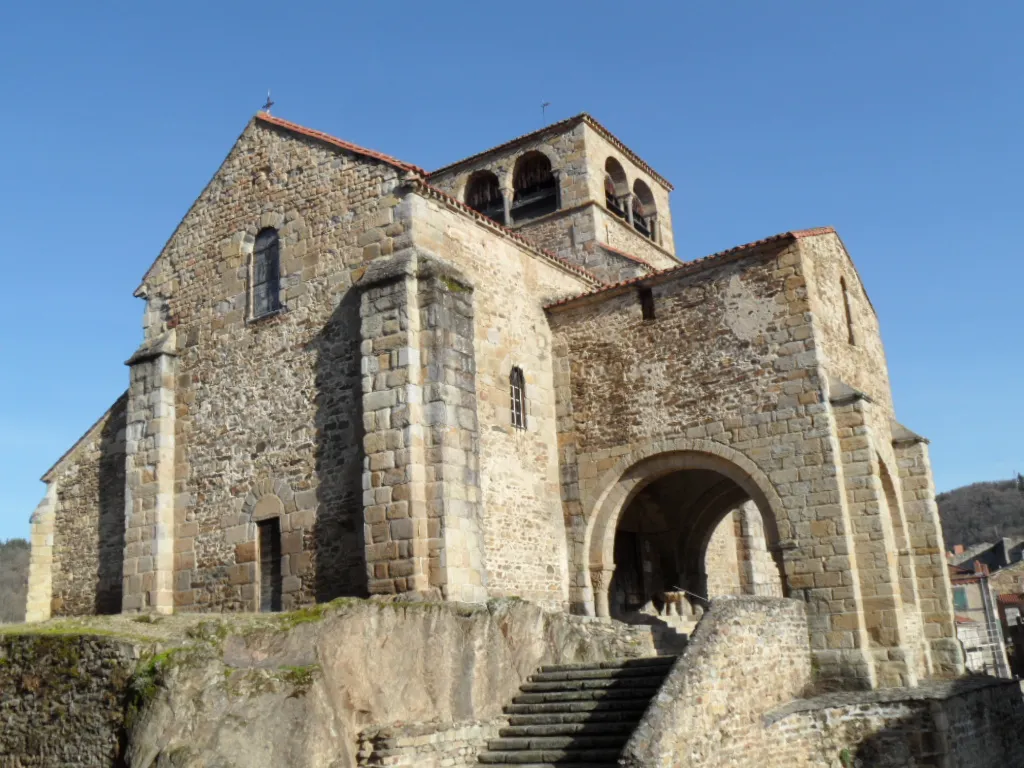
(928, 550)
(506, 197)
(557, 175)
(40, 564)
(149, 478)
(394, 474)
(627, 201)
(601, 583)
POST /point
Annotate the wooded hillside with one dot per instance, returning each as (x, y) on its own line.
(981, 512)
(13, 579)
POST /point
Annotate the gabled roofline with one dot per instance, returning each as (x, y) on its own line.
(689, 267)
(559, 127)
(287, 125)
(47, 475)
(266, 117)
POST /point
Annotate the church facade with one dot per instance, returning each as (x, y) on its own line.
(361, 378)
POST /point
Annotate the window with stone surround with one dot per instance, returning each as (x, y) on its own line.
(266, 273)
(851, 338)
(517, 387)
(269, 563)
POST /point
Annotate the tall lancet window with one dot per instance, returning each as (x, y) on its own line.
(851, 338)
(266, 273)
(517, 388)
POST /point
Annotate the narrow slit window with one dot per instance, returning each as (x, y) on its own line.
(849, 315)
(646, 303)
(266, 273)
(269, 533)
(517, 387)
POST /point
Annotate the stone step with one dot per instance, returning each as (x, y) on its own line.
(644, 682)
(564, 743)
(644, 661)
(597, 674)
(628, 694)
(557, 756)
(611, 716)
(581, 728)
(636, 706)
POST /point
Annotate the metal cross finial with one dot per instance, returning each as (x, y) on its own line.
(266, 107)
(543, 110)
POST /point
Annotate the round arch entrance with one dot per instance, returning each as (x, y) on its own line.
(670, 522)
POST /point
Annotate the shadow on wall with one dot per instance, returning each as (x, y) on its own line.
(110, 526)
(337, 539)
(973, 723)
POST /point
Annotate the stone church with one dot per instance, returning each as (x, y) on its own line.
(359, 378)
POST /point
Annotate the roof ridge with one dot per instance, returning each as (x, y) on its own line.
(694, 265)
(266, 117)
(582, 117)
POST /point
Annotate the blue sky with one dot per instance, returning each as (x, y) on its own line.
(898, 123)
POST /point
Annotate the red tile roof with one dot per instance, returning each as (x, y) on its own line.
(296, 128)
(569, 122)
(1011, 599)
(696, 265)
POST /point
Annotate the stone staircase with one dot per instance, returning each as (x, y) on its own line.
(577, 714)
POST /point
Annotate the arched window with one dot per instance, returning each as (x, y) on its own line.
(266, 273)
(616, 187)
(517, 388)
(849, 315)
(269, 561)
(644, 211)
(483, 194)
(536, 190)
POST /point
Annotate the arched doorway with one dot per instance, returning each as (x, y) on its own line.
(651, 535)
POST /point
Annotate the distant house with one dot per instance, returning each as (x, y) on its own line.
(978, 626)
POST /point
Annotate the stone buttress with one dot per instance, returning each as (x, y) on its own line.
(421, 490)
(150, 476)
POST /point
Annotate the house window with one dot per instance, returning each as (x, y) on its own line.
(269, 539)
(517, 387)
(266, 273)
(646, 303)
(849, 315)
(959, 599)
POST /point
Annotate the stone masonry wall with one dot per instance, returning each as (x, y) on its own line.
(720, 561)
(617, 233)
(450, 745)
(726, 369)
(862, 364)
(270, 408)
(572, 234)
(524, 535)
(972, 723)
(88, 521)
(62, 700)
(599, 149)
(747, 655)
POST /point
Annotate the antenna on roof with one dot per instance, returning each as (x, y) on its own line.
(266, 107)
(543, 111)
